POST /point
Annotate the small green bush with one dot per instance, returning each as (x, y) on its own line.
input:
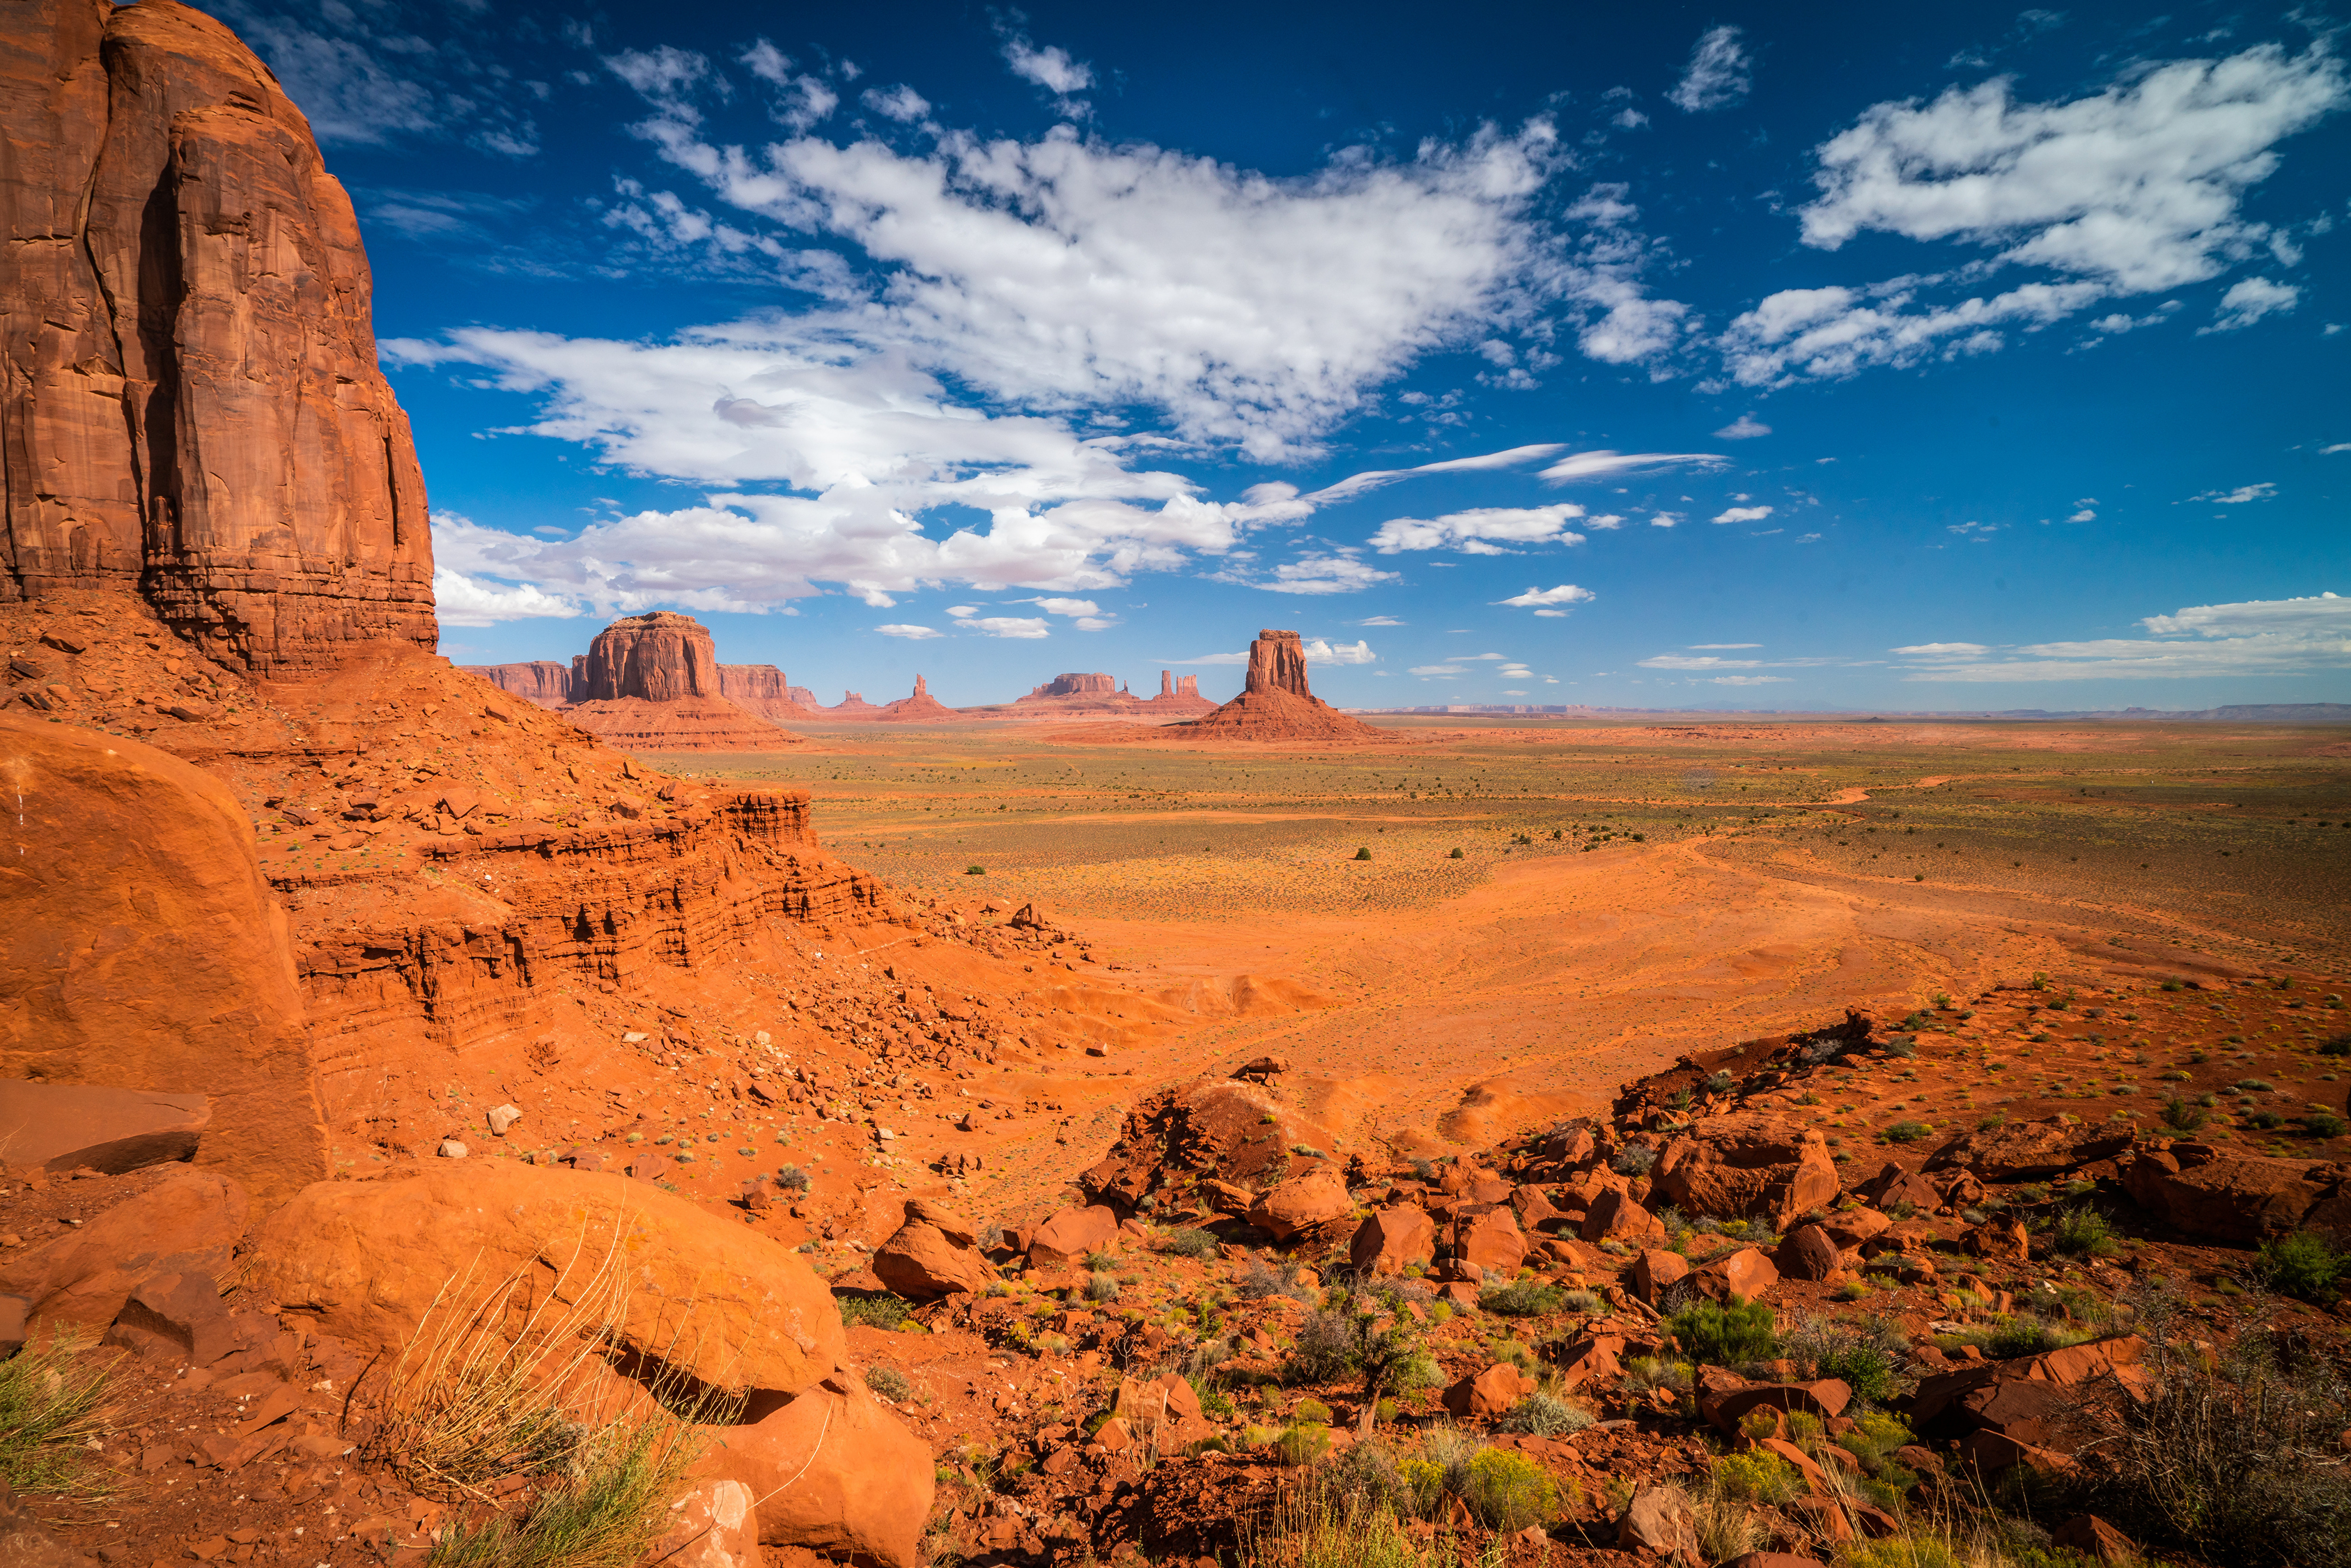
(2180, 1117)
(1507, 1492)
(1101, 1288)
(890, 1382)
(1192, 1243)
(2325, 1124)
(2304, 1264)
(1364, 853)
(1757, 1475)
(975, 870)
(1545, 1415)
(1521, 1299)
(52, 1406)
(881, 1311)
(1907, 1132)
(1724, 1336)
(2082, 1231)
(1303, 1444)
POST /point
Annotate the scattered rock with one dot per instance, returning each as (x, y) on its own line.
(188, 1224)
(1659, 1520)
(2032, 1151)
(1301, 1203)
(1491, 1393)
(1807, 1253)
(932, 1254)
(1066, 1237)
(834, 1473)
(1392, 1240)
(501, 1118)
(1746, 1167)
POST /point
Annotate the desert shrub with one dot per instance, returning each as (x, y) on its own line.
(1907, 1132)
(880, 1310)
(1719, 1082)
(1634, 1159)
(1366, 1478)
(2304, 1264)
(1583, 1303)
(791, 1178)
(52, 1406)
(1327, 1347)
(1757, 1475)
(1724, 1336)
(1101, 1288)
(1910, 1549)
(2180, 1117)
(1506, 1491)
(1644, 1372)
(1303, 1444)
(2233, 1464)
(890, 1382)
(1867, 1360)
(1901, 1045)
(2325, 1124)
(1727, 1529)
(1260, 1281)
(605, 1509)
(1192, 1242)
(1102, 1260)
(2082, 1231)
(1521, 1299)
(2020, 1337)
(1546, 1415)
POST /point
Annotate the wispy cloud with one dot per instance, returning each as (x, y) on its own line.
(1719, 75)
(2256, 637)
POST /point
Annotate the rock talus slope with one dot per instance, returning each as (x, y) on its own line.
(190, 404)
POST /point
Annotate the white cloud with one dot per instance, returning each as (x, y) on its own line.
(912, 633)
(2127, 191)
(1703, 647)
(1607, 465)
(463, 601)
(1744, 680)
(1718, 74)
(901, 103)
(1609, 521)
(1438, 669)
(1022, 626)
(2338, 447)
(1356, 483)
(1049, 67)
(2085, 514)
(2242, 496)
(1547, 602)
(1665, 519)
(1320, 651)
(1067, 606)
(1478, 531)
(1746, 427)
(1743, 515)
(1702, 661)
(1337, 574)
(2257, 637)
(2248, 300)
(1380, 621)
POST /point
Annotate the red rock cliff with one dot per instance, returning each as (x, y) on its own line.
(659, 656)
(1277, 663)
(190, 402)
(541, 681)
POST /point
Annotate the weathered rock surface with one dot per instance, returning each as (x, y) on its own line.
(2236, 1197)
(714, 1525)
(541, 681)
(834, 1473)
(2031, 1151)
(190, 404)
(188, 1225)
(763, 692)
(1491, 1393)
(66, 1126)
(141, 949)
(652, 682)
(1276, 704)
(1747, 1169)
(1392, 1240)
(712, 1298)
(932, 1254)
(1069, 1235)
(1301, 1203)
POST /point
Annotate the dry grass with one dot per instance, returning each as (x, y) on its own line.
(54, 1398)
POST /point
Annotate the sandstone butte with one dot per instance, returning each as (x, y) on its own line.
(1275, 704)
(653, 682)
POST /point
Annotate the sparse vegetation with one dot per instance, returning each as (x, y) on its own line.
(1724, 1336)
(53, 1403)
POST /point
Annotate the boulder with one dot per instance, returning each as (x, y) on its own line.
(1746, 1167)
(2093, 1537)
(1807, 1253)
(143, 948)
(1593, 1359)
(1850, 1228)
(1392, 1240)
(1659, 1520)
(715, 1525)
(178, 1314)
(2003, 1238)
(834, 1473)
(1744, 1275)
(69, 1126)
(1617, 1215)
(1069, 1234)
(1490, 1241)
(710, 1297)
(2031, 1151)
(1724, 1405)
(1490, 1393)
(924, 1258)
(189, 1224)
(1653, 1271)
(2237, 1198)
(1301, 1203)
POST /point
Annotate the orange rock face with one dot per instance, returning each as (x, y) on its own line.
(763, 692)
(1276, 704)
(141, 949)
(541, 681)
(653, 683)
(190, 402)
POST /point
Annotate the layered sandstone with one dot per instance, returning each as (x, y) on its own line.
(762, 691)
(1179, 696)
(541, 681)
(190, 404)
(921, 707)
(1276, 704)
(853, 704)
(652, 682)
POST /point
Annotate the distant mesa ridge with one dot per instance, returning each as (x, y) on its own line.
(652, 682)
(1276, 704)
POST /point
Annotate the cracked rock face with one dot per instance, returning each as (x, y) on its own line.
(190, 404)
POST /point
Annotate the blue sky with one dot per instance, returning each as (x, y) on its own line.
(1780, 358)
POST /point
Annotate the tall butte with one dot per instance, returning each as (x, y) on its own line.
(190, 405)
(652, 682)
(1276, 704)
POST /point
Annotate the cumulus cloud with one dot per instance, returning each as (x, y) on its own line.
(2127, 191)
(1484, 531)
(1049, 67)
(2256, 637)
(1718, 74)
(912, 633)
(1320, 651)
(901, 103)
(1743, 514)
(1746, 427)
(1338, 572)
(2248, 300)
(1021, 626)
(463, 601)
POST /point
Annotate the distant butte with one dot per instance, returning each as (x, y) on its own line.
(653, 683)
(1277, 706)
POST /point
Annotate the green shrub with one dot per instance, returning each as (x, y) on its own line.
(1757, 1475)
(1101, 1288)
(1907, 1132)
(52, 1406)
(1192, 1243)
(1583, 1303)
(2325, 1124)
(1521, 1299)
(1303, 1444)
(890, 1382)
(1507, 1492)
(2304, 1264)
(1724, 1336)
(2082, 1231)
(1545, 1415)
(881, 1311)
(2180, 1117)
(1327, 1347)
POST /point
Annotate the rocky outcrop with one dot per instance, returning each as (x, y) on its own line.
(1179, 696)
(716, 1300)
(762, 691)
(1277, 706)
(541, 681)
(190, 404)
(920, 708)
(1747, 1169)
(1074, 686)
(2032, 1151)
(141, 949)
(1301, 1203)
(190, 1223)
(652, 682)
(935, 1253)
(2241, 1198)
